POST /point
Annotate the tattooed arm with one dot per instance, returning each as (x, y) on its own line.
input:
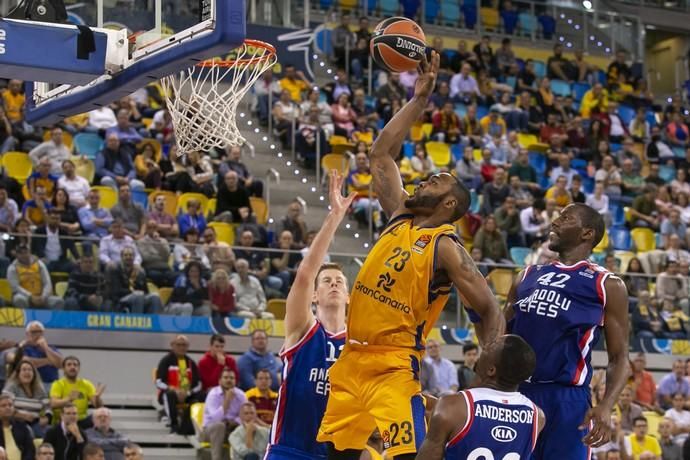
(386, 176)
(473, 290)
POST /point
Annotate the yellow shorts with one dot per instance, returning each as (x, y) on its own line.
(375, 387)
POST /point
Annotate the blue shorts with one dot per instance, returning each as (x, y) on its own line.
(286, 453)
(564, 408)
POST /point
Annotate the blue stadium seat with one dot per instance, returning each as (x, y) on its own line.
(449, 54)
(140, 197)
(626, 113)
(389, 7)
(679, 152)
(88, 144)
(598, 257)
(370, 102)
(579, 90)
(410, 8)
(540, 69)
(617, 215)
(560, 88)
(326, 4)
(469, 13)
(450, 13)
(510, 20)
(371, 5)
(520, 63)
(511, 81)
(588, 184)
(548, 26)
(482, 111)
(537, 161)
(620, 238)
(544, 181)
(474, 202)
(601, 77)
(519, 254)
(431, 10)
(667, 173)
(651, 118)
(616, 147)
(408, 149)
(460, 109)
(456, 151)
(528, 24)
(578, 163)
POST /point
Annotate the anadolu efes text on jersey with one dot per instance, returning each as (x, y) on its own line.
(500, 426)
(559, 310)
(304, 392)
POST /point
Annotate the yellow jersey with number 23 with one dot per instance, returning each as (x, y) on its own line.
(395, 300)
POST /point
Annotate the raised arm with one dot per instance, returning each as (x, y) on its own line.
(449, 415)
(473, 290)
(618, 369)
(298, 315)
(386, 176)
(508, 312)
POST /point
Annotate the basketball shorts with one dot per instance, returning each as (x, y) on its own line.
(375, 387)
(286, 453)
(564, 408)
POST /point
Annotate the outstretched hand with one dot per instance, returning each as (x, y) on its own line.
(428, 70)
(599, 419)
(339, 203)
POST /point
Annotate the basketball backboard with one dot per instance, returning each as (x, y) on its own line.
(134, 43)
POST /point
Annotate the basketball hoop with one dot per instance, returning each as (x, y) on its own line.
(202, 100)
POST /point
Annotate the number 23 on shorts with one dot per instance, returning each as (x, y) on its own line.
(397, 435)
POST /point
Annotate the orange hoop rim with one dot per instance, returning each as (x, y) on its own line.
(269, 52)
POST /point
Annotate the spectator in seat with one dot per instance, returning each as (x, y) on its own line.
(249, 440)
(193, 218)
(594, 101)
(155, 256)
(610, 176)
(285, 111)
(93, 219)
(525, 171)
(446, 124)
(463, 86)
(284, 264)
(92, 452)
(658, 150)
(445, 374)
(16, 437)
(533, 223)
(674, 226)
(54, 150)
(309, 134)
(264, 399)
(177, 379)
(675, 252)
(9, 211)
(147, 166)
(31, 401)
(491, 242)
(69, 219)
(132, 214)
(493, 126)
(197, 176)
(35, 348)
(293, 222)
(101, 119)
(190, 250)
(234, 163)
(86, 288)
(522, 196)
(36, 209)
(67, 438)
(670, 449)
(52, 245)
(325, 113)
(632, 183)
(558, 67)
(674, 320)
(222, 412)
(190, 294)
(294, 82)
(219, 253)
(105, 437)
(563, 169)
(627, 410)
(76, 186)
(469, 170)
(575, 190)
(507, 218)
(617, 68)
(639, 127)
(249, 294)
(166, 224)
(231, 198)
(644, 211)
(45, 452)
(7, 142)
(114, 166)
(125, 132)
(646, 320)
(643, 383)
(559, 192)
(30, 282)
(643, 445)
(344, 116)
(111, 246)
(128, 289)
(672, 286)
(680, 417)
(470, 353)
(262, 88)
(495, 192)
(72, 389)
(258, 261)
(258, 357)
(133, 452)
(653, 176)
(672, 384)
(221, 294)
(389, 92)
(214, 361)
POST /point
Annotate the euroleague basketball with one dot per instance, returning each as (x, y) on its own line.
(398, 44)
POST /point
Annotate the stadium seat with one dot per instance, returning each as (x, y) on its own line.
(490, 18)
(277, 307)
(519, 254)
(6, 291)
(667, 173)
(548, 26)
(537, 161)
(147, 122)
(347, 4)
(539, 68)
(501, 279)
(66, 138)
(579, 90)
(578, 163)
(88, 144)
(410, 8)
(482, 111)
(620, 238)
(560, 88)
(624, 257)
(528, 24)
(678, 152)
(183, 199)
(370, 4)
(626, 113)
(511, 81)
(527, 140)
(416, 133)
(439, 152)
(408, 149)
(461, 110)
(164, 293)
(456, 151)
(108, 196)
(211, 207)
(141, 198)
(337, 162)
(410, 189)
(427, 129)
(450, 13)
(588, 184)
(61, 289)
(651, 119)
(224, 232)
(260, 209)
(469, 14)
(170, 201)
(366, 137)
(196, 411)
(659, 240)
(431, 9)
(341, 149)
(653, 420)
(598, 258)
(335, 140)
(389, 7)
(643, 239)
(17, 165)
(617, 215)
(509, 20)
(603, 244)
(85, 168)
(475, 203)
(477, 155)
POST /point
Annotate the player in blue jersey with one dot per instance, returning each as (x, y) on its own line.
(312, 343)
(560, 309)
(491, 421)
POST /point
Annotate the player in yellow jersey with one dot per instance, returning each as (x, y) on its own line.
(397, 297)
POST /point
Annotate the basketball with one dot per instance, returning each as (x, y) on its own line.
(398, 44)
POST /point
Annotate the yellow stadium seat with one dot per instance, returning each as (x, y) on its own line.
(197, 414)
(367, 137)
(170, 201)
(224, 232)
(477, 155)
(416, 133)
(628, 214)
(211, 207)
(335, 140)
(653, 420)
(427, 128)
(66, 138)
(153, 289)
(260, 209)
(6, 291)
(603, 244)
(147, 122)
(183, 199)
(84, 168)
(643, 239)
(61, 289)
(108, 196)
(439, 152)
(490, 18)
(335, 161)
(17, 165)
(625, 257)
(164, 293)
(277, 307)
(341, 149)
(502, 280)
(410, 189)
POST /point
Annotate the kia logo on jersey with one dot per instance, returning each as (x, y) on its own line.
(503, 433)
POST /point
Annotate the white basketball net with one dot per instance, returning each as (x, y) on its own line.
(203, 99)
